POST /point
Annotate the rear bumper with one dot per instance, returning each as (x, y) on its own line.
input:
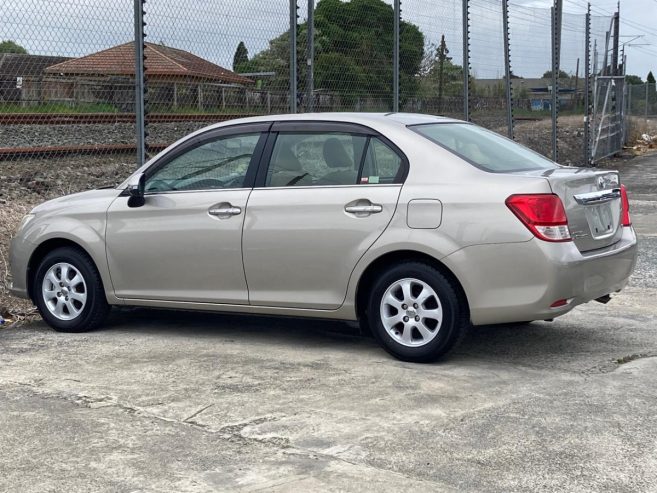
(519, 281)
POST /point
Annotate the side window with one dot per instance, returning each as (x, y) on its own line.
(216, 164)
(382, 164)
(322, 158)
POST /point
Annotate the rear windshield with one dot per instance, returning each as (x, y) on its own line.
(483, 148)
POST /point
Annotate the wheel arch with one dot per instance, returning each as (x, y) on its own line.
(42, 250)
(379, 265)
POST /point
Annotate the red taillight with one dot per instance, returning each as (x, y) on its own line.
(543, 214)
(625, 205)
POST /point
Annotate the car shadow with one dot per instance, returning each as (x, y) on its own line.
(530, 344)
(213, 324)
(563, 342)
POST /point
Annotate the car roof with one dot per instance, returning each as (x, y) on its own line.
(401, 119)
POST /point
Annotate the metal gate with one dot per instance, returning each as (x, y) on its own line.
(608, 130)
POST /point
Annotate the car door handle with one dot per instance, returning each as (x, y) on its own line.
(224, 210)
(364, 209)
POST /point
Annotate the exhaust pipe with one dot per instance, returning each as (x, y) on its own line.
(604, 299)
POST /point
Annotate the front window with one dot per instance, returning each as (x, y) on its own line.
(483, 148)
(216, 164)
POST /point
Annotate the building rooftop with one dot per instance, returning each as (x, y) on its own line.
(161, 61)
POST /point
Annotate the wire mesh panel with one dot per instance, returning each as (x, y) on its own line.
(530, 46)
(353, 62)
(66, 125)
(642, 101)
(487, 93)
(570, 92)
(63, 92)
(432, 83)
(212, 61)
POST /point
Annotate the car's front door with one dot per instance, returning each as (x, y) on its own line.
(184, 243)
(327, 194)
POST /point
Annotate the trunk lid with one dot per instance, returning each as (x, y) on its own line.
(592, 201)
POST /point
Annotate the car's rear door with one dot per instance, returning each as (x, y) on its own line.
(185, 242)
(324, 193)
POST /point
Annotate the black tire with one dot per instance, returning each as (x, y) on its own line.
(96, 307)
(454, 323)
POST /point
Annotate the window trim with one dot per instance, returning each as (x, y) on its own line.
(209, 136)
(315, 127)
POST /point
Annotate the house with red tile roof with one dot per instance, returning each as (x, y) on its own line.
(176, 78)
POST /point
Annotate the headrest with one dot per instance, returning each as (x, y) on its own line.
(335, 154)
(287, 161)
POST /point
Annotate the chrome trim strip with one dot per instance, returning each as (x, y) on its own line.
(598, 197)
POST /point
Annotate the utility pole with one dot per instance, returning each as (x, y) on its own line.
(442, 57)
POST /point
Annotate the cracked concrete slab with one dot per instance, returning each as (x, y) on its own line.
(166, 401)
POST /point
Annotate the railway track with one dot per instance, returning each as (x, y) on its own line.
(11, 153)
(107, 118)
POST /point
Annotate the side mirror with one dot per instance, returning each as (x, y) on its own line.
(136, 188)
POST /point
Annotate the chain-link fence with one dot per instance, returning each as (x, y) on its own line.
(641, 114)
(642, 101)
(53, 102)
(67, 74)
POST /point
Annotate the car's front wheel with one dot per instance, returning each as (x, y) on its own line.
(415, 312)
(68, 291)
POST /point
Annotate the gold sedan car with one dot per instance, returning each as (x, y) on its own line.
(418, 226)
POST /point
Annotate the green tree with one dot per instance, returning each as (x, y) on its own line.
(9, 46)
(651, 78)
(633, 79)
(241, 57)
(562, 75)
(353, 52)
(439, 76)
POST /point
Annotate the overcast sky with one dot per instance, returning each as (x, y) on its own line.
(213, 28)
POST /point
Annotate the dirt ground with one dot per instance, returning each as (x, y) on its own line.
(27, 183)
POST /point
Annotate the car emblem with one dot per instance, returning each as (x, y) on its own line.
(607, 181)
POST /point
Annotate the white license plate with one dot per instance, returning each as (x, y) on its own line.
(600, 219)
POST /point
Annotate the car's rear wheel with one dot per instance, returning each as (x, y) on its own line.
(68, 291)
(415, 312)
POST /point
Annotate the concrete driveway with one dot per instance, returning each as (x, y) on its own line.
(164, 401)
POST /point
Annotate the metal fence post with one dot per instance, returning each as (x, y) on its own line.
(395, 58)
(311, 56)
(646, 86)
(139, 82)
(587, 83)
(293, 56)
(466, 60)
(556, 53)
(507, 68)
